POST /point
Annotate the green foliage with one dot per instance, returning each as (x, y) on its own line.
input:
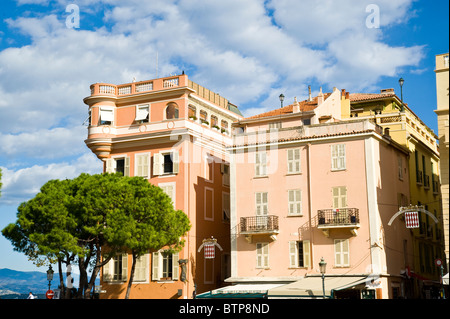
(81, 216)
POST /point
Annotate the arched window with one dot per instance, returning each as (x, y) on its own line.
(171, 111)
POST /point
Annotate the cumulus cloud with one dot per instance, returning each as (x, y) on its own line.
(22, 184)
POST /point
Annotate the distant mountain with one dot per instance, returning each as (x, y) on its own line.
(22, 282)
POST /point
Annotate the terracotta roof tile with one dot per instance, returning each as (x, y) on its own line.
(355, 97)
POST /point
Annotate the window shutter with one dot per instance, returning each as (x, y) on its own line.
(155, 266)
(109, 165)
(334, 157)
(127, 167)
(257, 165)
(337, 253)
(266, 254)
(175, 266)
(293, 254)
(107, 273)
(265, 205)
(176, 161)
(342, 157)
(158, 162)
(258, 204)
(306, 253)
(124, 267)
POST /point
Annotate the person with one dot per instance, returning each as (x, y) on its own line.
(30, 295)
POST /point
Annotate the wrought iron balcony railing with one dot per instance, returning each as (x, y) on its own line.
(259, 224)
(338, 217)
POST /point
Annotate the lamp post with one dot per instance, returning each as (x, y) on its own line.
(401, 81)
(323, 268)
(281, 99)
(49, 275)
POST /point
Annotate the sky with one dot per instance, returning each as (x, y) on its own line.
(248, 51)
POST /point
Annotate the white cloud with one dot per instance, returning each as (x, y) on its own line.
(21, 185)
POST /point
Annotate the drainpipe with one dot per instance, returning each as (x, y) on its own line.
(308, 161)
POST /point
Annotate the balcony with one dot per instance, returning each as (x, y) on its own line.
(342, 218)
(259, 225)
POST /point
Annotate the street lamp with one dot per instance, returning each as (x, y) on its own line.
(401, 81)
(323, 268)
(281, 99)
(49, 275)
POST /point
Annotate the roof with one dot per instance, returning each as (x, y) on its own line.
(304, 107)
(356, 97)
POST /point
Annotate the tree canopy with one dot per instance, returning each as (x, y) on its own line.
(75, 220)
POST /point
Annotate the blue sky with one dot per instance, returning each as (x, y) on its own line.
(248, 51)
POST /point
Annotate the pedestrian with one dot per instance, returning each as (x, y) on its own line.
(30, 295)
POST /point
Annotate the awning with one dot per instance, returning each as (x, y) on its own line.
(240, 291)
(311, 287)
(445, 279)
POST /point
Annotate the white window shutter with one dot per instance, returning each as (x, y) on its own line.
(124, 267)
(293, 254)
(127, 167)
(158, 162)
(155, 266)
(107, 273)
(175, 266)
(306, 254)
(176, 161)
(109, 165)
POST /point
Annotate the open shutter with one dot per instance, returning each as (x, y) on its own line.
(155, 266)
(158, 162)
(175, 266)
(109, 165)
(306, 254)
(107, 270)
(126, 171)
(175, 161)
(293, 254)
(342, 156)
(124, 267)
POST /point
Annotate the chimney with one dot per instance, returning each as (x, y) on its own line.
(296, 106)
(387, 91)
(320, 97)
(309, 93)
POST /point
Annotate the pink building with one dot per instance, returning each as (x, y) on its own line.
(174, 133)
(306, 186)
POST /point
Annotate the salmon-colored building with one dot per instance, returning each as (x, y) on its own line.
(174, 133)
(307, 186)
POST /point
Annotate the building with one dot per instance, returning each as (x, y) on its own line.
(442, 64)
(173, 132)
(305, 185)
(387, 110)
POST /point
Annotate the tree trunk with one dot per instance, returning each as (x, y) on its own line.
(133, 265)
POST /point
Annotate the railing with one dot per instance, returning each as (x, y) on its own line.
(419, 177)
(268, 223)
(336, 217)
(426, 180)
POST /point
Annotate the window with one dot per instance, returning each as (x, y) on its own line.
(116, 269)
(169, 189)
(209, 204)
(122, 165)
(106, 116)
(226, 207)
(192, 112)
(339, 197)
(209, 168)
(225, 170)
(338, 157)
(172, 111)
(341, 253)
(400, 167)
(261, 164)
(142, 113)
(293, 160)
(274, 125)
(165, 163)
(299, 254)
(142, 165)
(164, 266)
(262, 255)
(261, 204)
(295, 202)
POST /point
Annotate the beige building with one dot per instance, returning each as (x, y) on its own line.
(442, 63)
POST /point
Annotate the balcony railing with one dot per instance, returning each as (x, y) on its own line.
(259, 224)
(338, 217)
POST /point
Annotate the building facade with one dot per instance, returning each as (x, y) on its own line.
(442, 86)
(173, 132)
(406, 128)
(305, 185)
